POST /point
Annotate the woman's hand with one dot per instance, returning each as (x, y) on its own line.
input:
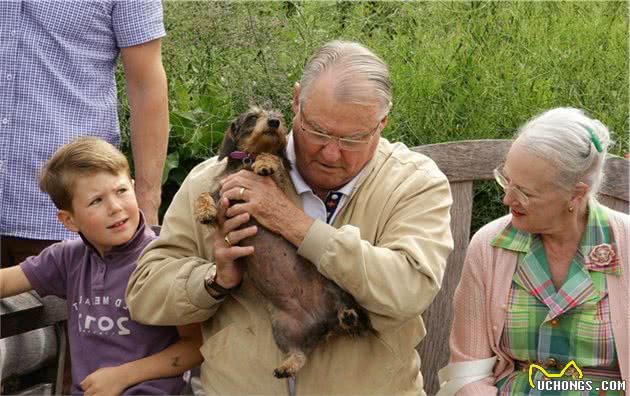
(106, 381)
(229, 273)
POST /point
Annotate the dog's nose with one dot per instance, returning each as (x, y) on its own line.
(273, 123)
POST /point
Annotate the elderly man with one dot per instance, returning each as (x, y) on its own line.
(372, 216)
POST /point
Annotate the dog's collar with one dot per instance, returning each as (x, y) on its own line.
(246, 157)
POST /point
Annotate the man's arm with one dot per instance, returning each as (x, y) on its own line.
(167, 287)
(396, 276)
(174, 360)
(13, 281)
(148, 102)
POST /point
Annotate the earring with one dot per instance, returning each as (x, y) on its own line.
(571, 208)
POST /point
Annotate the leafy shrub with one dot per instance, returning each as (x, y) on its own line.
(461, 70)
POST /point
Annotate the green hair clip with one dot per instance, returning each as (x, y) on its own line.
(594, 139)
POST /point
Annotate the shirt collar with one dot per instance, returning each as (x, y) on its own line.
(299, 183)
(597, 244)
(512, 239)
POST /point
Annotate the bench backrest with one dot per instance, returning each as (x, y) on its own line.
(32, 344)
(463, 163)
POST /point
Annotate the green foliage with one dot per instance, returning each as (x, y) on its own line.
(461, 70)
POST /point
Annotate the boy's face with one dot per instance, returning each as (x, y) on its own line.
(104, 210)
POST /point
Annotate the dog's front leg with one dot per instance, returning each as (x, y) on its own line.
(205, 209)
(266, 164)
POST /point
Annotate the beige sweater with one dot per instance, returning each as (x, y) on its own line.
(481, 300)
(387, 247)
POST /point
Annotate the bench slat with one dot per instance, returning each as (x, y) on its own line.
(37, 390)
(433, 349)
(475, 160)
(31, 315)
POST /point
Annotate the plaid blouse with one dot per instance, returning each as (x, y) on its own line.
(552, 327)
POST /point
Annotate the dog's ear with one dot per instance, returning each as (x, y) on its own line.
(229, 139)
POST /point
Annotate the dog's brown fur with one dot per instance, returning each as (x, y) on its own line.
(305, 306)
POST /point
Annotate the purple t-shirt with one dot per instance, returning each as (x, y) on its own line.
(100, 331)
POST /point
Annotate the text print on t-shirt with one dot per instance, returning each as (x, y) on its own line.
(102, 315)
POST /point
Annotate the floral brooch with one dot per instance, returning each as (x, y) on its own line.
(602, 255)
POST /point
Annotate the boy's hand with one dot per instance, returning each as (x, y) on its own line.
(106, 381)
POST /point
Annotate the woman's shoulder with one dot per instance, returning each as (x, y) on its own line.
(486, 233)
(620, 223)
(481, 256)
(619, 219)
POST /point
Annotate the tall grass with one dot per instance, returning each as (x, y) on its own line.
(461, 70)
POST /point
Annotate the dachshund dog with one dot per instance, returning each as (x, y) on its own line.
(305, 307)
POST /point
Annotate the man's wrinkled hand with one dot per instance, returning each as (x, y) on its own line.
(267, 203)
(226, 237)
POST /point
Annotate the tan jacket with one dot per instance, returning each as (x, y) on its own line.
(481, 299)
(388, 248)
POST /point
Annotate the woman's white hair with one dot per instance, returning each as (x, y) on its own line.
(574, 143)
(358, 74)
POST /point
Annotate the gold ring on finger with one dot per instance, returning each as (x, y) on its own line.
(227, 240)
(241, 192)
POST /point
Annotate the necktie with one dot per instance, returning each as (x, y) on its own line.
(331, 202)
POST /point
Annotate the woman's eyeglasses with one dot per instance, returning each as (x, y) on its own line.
(503, 181)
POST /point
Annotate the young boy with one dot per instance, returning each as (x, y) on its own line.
(90, 183)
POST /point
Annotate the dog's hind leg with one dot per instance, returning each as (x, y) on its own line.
(351, 320)
(291, 365)
(289, 335)
(347, 318)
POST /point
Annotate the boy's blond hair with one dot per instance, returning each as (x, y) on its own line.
(82, 157)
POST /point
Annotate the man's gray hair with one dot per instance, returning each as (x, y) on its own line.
(359, 76)
(571, 141)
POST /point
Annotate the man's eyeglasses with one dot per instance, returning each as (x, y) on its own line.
(348, 144)
(503, 181)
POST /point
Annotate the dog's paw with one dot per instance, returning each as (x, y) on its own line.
(282, 373)
(293, 363)
(352, 321)
(348, 318)
(266, 164)
(263, 171)
(205, 209)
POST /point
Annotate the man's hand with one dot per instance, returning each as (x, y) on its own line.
(267, 203)
(229, 273)
(106, 381)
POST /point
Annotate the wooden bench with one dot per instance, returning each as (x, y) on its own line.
(463, 163)
(32, 344)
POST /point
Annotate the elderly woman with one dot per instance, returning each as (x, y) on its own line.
(548, 283)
